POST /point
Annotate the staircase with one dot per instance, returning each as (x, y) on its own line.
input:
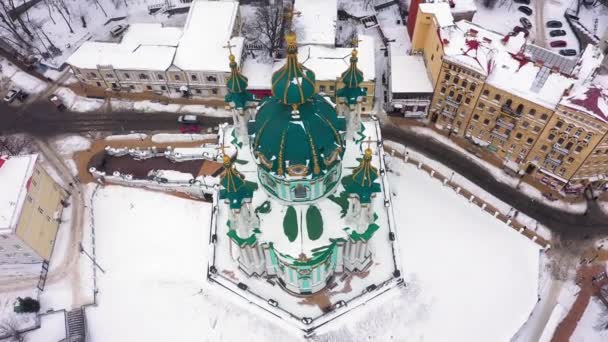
(76, 326)
(43, 272)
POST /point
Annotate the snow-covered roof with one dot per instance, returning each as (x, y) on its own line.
(590, 97)
(258, 73)
(142, 57)
(463, 6)
(151, 34)
(208, 28)
(316, 22)
(408, 75)
(441, 10)
(15, 174)
(329, 63)
(143, 47)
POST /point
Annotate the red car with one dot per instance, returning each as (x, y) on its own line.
(558, 43)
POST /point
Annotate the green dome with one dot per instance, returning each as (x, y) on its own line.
(362, 181)
(235, 188)
(293, 83)
(237, 87)
(305, 141)
(352, 77)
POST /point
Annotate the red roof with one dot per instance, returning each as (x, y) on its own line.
(591, 101)
(3, 159)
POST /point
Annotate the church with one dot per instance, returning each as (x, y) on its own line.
(303, 200)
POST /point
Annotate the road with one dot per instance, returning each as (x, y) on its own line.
(539, 22)
(42, 119)
(567, 225)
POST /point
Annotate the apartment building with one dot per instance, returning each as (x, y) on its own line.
(538, 112)
(169, 61)
(30, 209)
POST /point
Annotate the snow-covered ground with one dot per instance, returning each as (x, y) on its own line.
(592, 326)
(503, 17)
(172, 138)
(153, 247)
(595, 18)
(554, 10)
(11, 76)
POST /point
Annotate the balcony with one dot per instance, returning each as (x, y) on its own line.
(504, 124)
(552, 161)
(509, 111)
(452, 101)
(448, 114)
(499, 135)
(560, 149)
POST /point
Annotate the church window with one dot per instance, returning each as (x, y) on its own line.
(132, 87)
(92, 75)
(109, 76)
(99, 84)
(127, 76)
(149, 87)
(194, 78)
(177, 78)
(143, 77)
(214, 91)
(211, 79)
(163, 88)
(300, 191)
(198, 91)
(160, 77)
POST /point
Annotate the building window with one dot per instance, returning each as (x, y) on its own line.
(497, 97)
(364, 100)
(486, 122)
(132, 87)
(588, 137)
(578, 133)
(467, 100)
(177, 78)
(163, 88)
(29, 198)
(459, 98)
(559, 124)
(475, 117)
(17, 247)
(92, 75)
(160, 77)
(214, 91)
(560, 141)
(518, 136)
(34, 183)
(473, 87)
(321, 88)
(569, 160)
(447, 76)
(456, 80)
(485, 93)
(299, 191)
(127, 76)
(480, 105)
(451, 94)
(198, 91)
(40, 210)
(520, 108)
(442, 91)
(432, 57)
(544, 117)
(211, 79)
(543, 148)
(569, 128)
(529, 141)
(194, 78)
(551, 137)
(464, 83)
(332, 88)
(109, 76)
(536, 129)
(143, 77)
(149, 87)
(569, 145)
(578, 149)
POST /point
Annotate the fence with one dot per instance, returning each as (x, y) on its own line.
(470, 196)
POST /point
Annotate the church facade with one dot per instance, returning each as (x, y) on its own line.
(300, 202)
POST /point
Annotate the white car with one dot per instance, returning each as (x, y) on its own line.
(188, 119)
(118, 30)
(11, 95)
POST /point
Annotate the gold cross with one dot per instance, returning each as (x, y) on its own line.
(229, 47)
(355, 42)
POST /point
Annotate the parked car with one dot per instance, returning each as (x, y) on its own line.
(568, 52)
(525, 23)
(11, 95)
(525, 10)
(118, 30)
(22, 96)
(554, 24)
(557, 33)
(55, 100)
(558, 43)
(188, 119)
(523, 2)
(518, 29)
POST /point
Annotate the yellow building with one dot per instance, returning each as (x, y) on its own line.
(30, 209)
(527, 105)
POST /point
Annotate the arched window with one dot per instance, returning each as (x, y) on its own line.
(520, 108)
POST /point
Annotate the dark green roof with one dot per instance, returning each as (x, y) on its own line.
(237, 87)
(362, 181)
(352, 79)
(235, 187)
(293, 83)
(310, 137)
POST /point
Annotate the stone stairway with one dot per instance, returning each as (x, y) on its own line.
(76, 326)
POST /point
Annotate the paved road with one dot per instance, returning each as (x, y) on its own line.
(569, 226)
(41, 118)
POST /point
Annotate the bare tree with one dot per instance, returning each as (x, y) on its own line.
(13, 145)
(10, 328)
(266, 28)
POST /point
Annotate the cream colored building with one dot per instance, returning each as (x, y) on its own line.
(538, 112)
(169, 61)
(30, 210)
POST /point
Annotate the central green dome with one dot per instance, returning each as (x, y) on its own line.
(293, 83)
(305, 141)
